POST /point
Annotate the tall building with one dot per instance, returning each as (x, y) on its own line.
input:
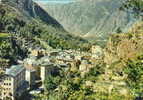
(45, 70)
(14, 83)
(30, 77)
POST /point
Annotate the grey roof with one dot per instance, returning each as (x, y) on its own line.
(14, 70)
(63, 65)
(46, 64)
(31, 60)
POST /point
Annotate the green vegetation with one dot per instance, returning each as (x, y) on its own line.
(135, 6)
(51, 83)
(118, 79)
(134, 71)
(72, 86)
(4, 35)
(5, 47)
(118, 76)
(13, 22)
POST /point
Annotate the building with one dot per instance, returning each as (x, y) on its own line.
(48, 69)
(14, 83)
(30, 77)
(45, 71)
(97, 52)
(38, 52)
(85, 67)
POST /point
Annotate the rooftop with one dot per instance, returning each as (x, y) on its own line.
(46, 64)
(14, 70)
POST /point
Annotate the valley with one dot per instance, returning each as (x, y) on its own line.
(71, 50)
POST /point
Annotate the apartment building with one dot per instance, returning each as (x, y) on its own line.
(14, 83)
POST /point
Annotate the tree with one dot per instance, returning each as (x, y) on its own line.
(134, 6)
(134, 71)
(51, 83)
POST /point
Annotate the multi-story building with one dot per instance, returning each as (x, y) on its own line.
(14, 83)
(30, 77)
(48, 69)
(45, 70)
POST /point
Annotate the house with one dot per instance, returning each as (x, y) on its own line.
(38, 52)
(85, 67)
(54, 53)
(97, 52)
(78, 57)
(14, 84)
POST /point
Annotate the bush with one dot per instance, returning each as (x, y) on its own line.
(51, 83)
(134, 71)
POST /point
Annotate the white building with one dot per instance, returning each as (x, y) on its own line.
(45, 71)
(13, 83)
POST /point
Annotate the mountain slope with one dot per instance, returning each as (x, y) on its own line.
(92, 18)
(31, 9)
(26, 32)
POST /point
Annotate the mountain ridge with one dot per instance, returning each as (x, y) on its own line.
(91, 18)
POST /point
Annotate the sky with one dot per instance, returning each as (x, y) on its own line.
(55, 1)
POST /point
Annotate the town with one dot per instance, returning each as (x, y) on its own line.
(29, 75)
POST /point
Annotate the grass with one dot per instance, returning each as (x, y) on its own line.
(4, 35)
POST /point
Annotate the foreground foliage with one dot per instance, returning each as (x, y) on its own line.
(134, 71)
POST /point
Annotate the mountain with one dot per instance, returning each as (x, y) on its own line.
(25, 31)
(91, 18)
(31, 9)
